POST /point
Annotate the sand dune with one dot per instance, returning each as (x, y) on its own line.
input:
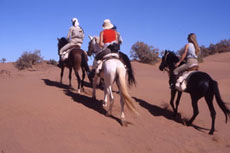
(38, 115)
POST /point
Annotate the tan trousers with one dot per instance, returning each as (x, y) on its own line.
(190, 63)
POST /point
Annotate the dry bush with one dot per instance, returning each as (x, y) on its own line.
(52, 62)
(28, 59)
(144, 53)
(3, 60)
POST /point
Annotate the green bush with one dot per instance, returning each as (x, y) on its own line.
(28, 59)
(144, 53)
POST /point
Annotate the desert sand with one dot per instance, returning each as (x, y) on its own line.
(38, 115)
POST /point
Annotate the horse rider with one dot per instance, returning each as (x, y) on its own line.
(109, 43)
(190, 55)
(75, 37)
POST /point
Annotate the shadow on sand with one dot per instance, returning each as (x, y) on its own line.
(95, 105)
(158, 111)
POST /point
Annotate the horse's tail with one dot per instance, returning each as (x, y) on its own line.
(124, 92)
(84, 63)
(220, 101)
(131, 78)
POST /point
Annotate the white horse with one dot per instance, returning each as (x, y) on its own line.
(113, 70)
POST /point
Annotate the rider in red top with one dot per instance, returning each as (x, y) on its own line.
(108, 43)
(108, 36)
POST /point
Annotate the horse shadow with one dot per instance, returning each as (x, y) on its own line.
(88, 102)
(158, 111)
(168, 114)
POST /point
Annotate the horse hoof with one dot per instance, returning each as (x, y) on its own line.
(104, 104)
(124, 123)
(211, 132)
(188, 123)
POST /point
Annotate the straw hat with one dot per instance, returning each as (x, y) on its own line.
(76, 21)
(107, 24)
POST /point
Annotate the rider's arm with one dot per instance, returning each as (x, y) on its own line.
(117, 37)
(183, 55)
(101, 39)
(69, 34)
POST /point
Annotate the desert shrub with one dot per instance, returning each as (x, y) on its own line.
(52, 62)
(144, 53)
(220, 47)
(28, 59)
(3, 60)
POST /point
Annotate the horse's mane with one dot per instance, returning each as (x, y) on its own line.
(63, 40)
(172, 54)
(97, 39)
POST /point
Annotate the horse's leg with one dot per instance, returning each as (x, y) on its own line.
(78, 80)
(83, 78)
(177, 102)
(173, 93)
(209, 100)
(111, 98)
(122, 102)
(195, 110)
(62, 72)
(105, 98)
(70, 77)
(94, 86)
(123, 120)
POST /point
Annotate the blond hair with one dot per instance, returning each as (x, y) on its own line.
(192, 39)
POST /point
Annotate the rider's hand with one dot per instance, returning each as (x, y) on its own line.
(177, 64)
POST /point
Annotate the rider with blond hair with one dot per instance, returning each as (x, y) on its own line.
(189, 55)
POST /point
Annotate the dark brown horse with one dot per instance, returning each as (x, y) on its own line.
(77, 60)
(199, 84)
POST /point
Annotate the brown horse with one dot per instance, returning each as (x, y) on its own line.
(77, 60)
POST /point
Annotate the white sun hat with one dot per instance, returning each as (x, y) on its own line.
(107, 24)
(76, 21)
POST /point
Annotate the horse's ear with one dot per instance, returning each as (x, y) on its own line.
(58, 39)
(165, 52)
(90, 37)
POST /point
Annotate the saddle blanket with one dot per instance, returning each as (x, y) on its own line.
(181, 83)
(98, 65)
(65, 55)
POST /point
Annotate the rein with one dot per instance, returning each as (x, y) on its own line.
(166, 69)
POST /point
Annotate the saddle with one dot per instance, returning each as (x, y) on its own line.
(181, 83)
(104, 59)
(65, 54)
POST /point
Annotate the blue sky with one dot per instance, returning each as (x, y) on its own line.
(28, 25)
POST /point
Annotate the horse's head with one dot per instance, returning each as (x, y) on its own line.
(168, 60)
(94, 46)
(62, 42)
